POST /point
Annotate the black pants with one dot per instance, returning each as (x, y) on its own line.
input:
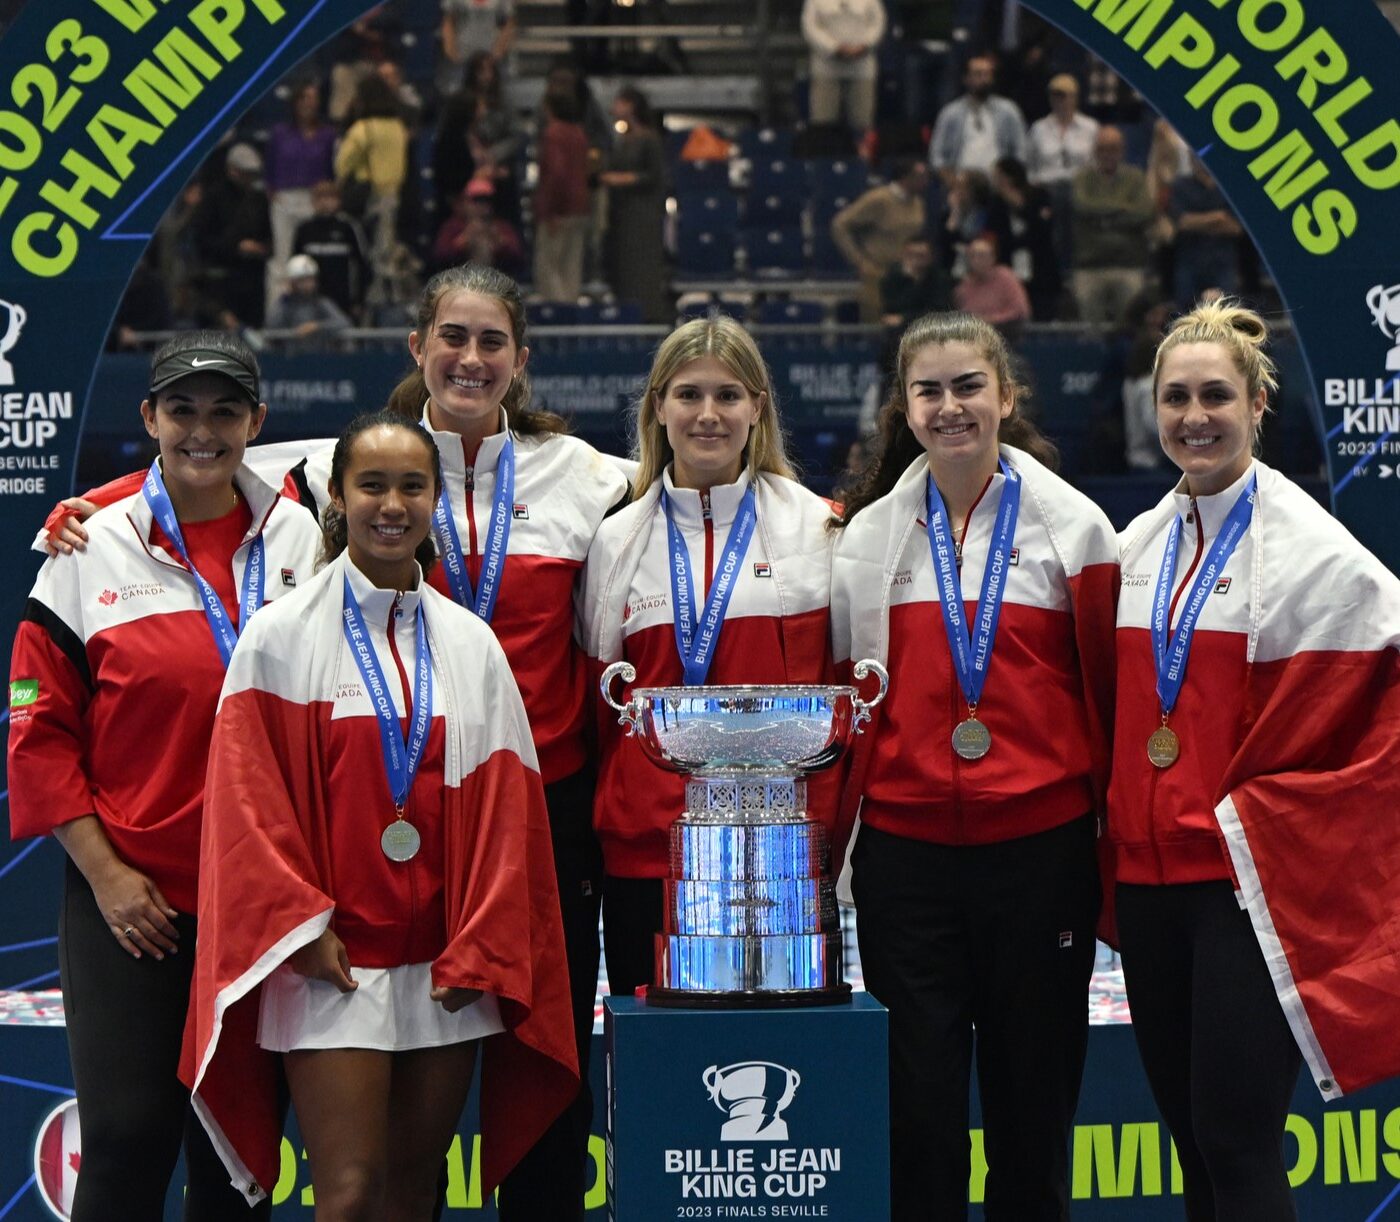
(548, 1184)
(126, 1019)
(996, 939)
(631, 918)
(1218, 1052)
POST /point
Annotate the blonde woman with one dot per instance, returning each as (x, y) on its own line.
(1254, 789)
(715, 501)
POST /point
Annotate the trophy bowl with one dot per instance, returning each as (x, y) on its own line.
(750, 916)
(709, 731)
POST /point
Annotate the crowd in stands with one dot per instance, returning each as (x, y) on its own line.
(1041, 189)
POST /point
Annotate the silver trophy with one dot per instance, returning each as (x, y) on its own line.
(750, 914)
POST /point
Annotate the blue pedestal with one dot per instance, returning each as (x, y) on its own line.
(747, 1113)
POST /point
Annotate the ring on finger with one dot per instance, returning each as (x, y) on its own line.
(128, 931)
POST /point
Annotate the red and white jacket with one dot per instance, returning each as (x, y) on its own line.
(125, 677)
(297, 800)
(1048, 697)
(1289, 721)
(563, 490)
(775, 631)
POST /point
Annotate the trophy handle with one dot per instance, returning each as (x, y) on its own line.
(626, 713)
(862, 707)
(711, 1080)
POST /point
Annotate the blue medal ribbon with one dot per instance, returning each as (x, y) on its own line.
(696, 641)
(481, 600)
(254, 572)
(1171, 655)
(972, 646)
(401, 757)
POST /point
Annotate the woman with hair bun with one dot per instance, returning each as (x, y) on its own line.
(715, 495)
(1254, 794)
(985, 584)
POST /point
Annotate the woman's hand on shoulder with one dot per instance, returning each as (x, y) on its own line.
(453, 999)
(68, 535)
(325, 959)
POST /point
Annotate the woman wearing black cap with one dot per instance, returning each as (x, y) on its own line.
(122, 652)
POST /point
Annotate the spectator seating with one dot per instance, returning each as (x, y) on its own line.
(694, 177)
(551, 313)
(619, 314)
(775, 251)
(792, 313)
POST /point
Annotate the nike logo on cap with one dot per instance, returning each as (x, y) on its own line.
(196, 363)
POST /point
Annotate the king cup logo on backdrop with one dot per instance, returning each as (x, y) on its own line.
(1384, 304)
(15, 316)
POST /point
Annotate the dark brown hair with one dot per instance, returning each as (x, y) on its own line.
(334, 536)
(897, 447)
(411, 393)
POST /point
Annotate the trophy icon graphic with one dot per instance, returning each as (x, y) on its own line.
(1384, 304)
(753, 1094)
(13, 326)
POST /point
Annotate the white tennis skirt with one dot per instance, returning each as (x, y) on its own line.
(390, 1011)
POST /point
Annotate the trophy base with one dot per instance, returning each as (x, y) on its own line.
(767, 999)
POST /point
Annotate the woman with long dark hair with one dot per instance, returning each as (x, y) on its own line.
(985, 584)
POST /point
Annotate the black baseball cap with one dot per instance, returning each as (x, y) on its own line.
(196, 358)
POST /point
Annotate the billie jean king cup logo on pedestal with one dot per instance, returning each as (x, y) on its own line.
(750, 908)
(12, 320)
(753, 1094)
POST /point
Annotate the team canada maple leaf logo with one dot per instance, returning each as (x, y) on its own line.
(107, 597)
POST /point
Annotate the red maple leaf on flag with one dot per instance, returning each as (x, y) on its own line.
(75, 1160)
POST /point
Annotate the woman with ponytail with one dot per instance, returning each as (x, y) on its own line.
(1254, 795)
(520, 504)
(714, 495)
(985, 584)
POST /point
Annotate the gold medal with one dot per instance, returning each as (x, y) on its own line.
(1163, 746)
(971, 739)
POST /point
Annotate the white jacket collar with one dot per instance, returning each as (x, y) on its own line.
(375, 603)
(453, 449)
(1212, 509)
(687, 508)
(261, 496)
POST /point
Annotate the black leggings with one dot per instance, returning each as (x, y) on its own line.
(547, 1185)
(126, 1019)
(632, 916)
(997, 939)
(1218, 1052)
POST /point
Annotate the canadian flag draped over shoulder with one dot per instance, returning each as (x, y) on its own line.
(1309, 807)
(267, 810)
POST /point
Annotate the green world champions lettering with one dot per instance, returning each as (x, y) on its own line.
(105, 127)
(463, 1179)
(1120, 1161)
(1244, 110)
